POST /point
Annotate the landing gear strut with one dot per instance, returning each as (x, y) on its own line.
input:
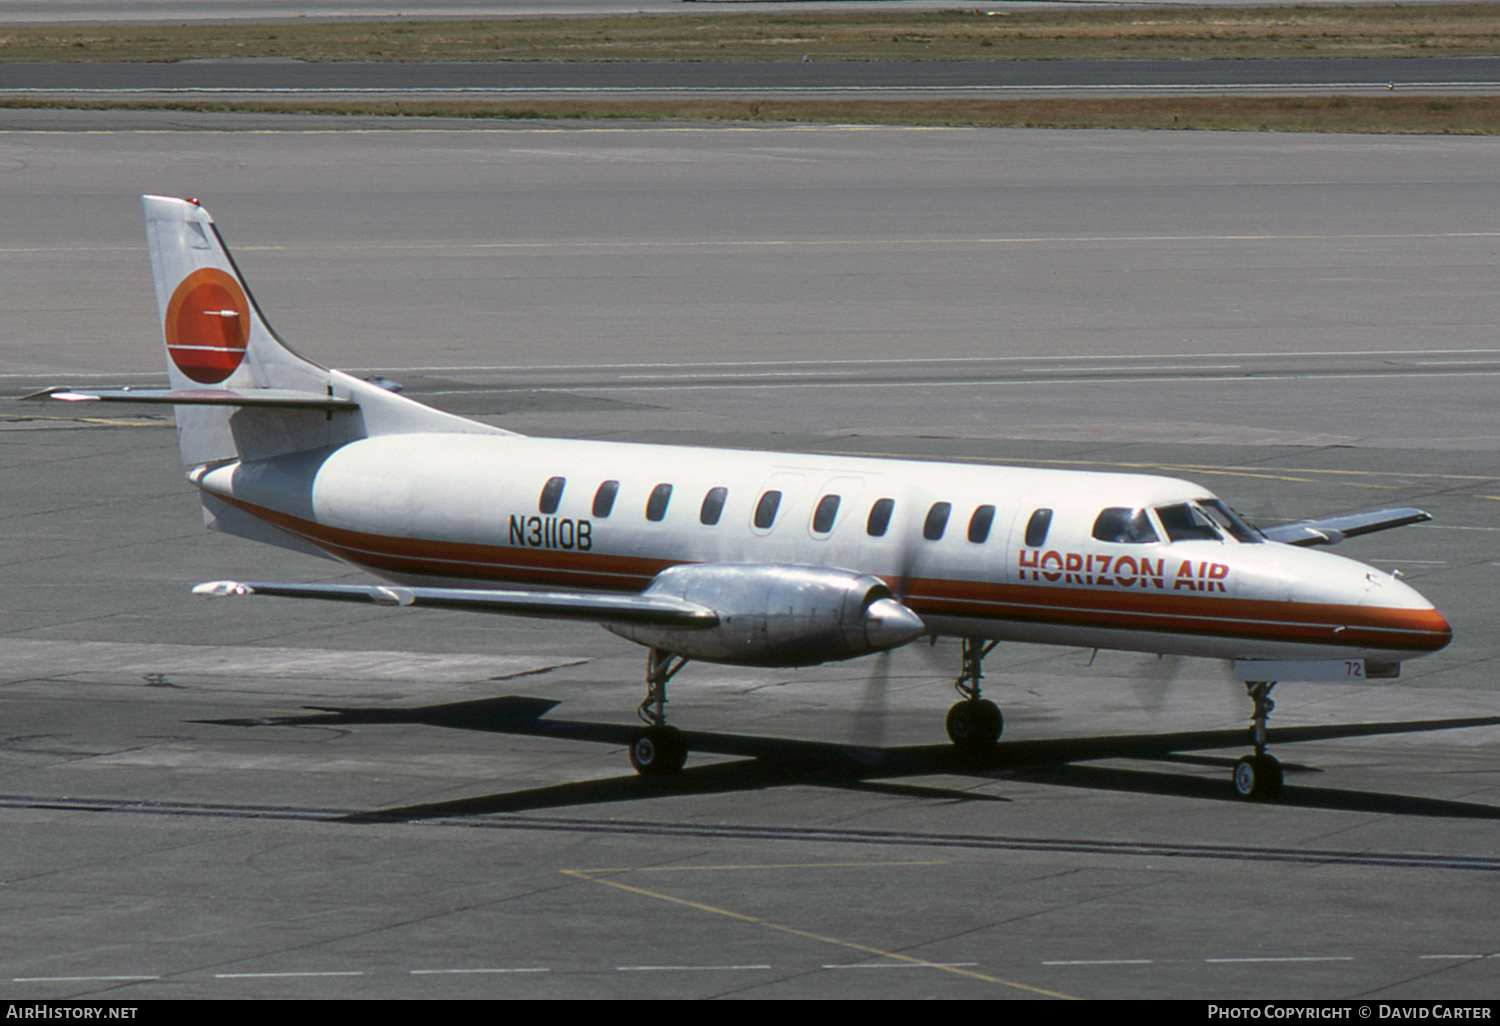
(658, 750)
(1258, 777)
(975, 723)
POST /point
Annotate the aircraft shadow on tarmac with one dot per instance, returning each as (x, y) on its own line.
(767, 762)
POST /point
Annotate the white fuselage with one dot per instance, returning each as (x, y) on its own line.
(478, 511)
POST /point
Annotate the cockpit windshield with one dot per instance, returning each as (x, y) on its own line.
(1204, 520)
(1230, 521)
(1186, 522)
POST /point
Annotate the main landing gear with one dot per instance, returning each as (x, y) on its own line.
(975, 723)
(658, 750)
(1258, 777)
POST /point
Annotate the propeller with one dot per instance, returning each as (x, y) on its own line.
(869, 719)
(1156, 676)
(1153, 681)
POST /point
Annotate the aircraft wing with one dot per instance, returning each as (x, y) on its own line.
(1332, 530)
(649, 610)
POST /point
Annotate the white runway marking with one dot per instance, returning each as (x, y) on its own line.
(78, 979)
(456, 972)
(1457, 957)
(1286, 958)
(906, 965)
(683, 968)
(278, 976)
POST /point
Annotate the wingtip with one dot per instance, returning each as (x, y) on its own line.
(222, 589)
(62, 392)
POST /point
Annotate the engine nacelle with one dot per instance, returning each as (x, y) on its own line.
(778, 615)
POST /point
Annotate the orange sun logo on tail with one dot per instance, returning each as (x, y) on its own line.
(208, 324)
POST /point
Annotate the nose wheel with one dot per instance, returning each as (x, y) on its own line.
(975, 723)
(1257, 777)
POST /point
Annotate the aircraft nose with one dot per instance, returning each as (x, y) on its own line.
(1399, 608)
(889, 624)
(1443, 632)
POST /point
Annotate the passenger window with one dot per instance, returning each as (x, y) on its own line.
(1184, 523)
(713, 506)
(826, 513)
(937, 520)
(604, 498)
(765, 509)
(979, 524)
(880, 518)
(1036, 528)
(656, 505)
(551, 494)
(1127, 526)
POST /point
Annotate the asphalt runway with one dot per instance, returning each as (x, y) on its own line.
(268, 798)
(52, 12)
(250, 78)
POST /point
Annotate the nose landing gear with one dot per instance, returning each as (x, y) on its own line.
(1258, 777)
(975, 723)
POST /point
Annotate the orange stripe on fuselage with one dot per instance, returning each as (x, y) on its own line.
(1343, 626)
(466, 560)
(1352, 626)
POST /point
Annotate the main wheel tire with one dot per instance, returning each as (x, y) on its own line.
(658, 751)
(975, 724)
(1257, 778)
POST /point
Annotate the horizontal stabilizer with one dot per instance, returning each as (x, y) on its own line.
(281, 398)
(653, 610)
(1332, 530)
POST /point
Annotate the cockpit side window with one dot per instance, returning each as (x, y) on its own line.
(1124, 525)
(1185, 522)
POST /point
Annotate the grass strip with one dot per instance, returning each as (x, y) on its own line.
(1454, 115)
(969, 34)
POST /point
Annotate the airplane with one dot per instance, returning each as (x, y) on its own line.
(745, 558)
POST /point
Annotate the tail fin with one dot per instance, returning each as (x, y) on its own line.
(238, 390)
(215, 333)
